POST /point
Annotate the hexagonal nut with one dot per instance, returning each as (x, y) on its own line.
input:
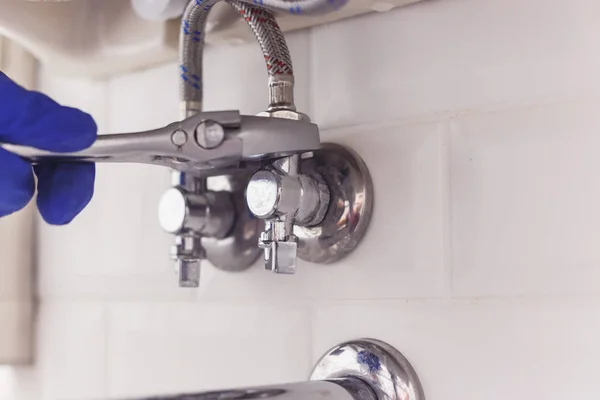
(286, 114)
(314, 202)
(324, 199)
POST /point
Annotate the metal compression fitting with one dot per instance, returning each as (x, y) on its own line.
(268, 34)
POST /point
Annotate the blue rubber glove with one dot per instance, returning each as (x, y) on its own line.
(33, 119)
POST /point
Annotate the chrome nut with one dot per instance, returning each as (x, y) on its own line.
(286, 114)
(314, 200)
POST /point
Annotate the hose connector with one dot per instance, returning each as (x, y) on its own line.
(281, 92)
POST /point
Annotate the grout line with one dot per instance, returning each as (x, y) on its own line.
(446, 176)
(311, 336)
(105, 114)
(318, 302)
(105, 327)
(448, 115)
(312, 106)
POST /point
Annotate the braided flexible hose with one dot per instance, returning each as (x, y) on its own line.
(268, 34)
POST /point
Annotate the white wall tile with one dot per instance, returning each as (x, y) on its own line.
(16, 260)
(66, 268)
(71, 351)
(88, 95)
(16, 332)
(7, 387)
(26, 383)
(235, 78)
(480, 349)
(524, 199)
(175, 348)
(456, 56)
(121, 251)
(143, 100)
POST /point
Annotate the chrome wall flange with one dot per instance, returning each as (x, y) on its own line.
(383, 368)
(237, 251)
(350, 204)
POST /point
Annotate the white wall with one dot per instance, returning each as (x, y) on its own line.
(480, 121)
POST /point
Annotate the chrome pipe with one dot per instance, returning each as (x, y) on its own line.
(339, 389)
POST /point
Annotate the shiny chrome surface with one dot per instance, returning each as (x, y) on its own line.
(387, 372)
(326, 196)
(187, 253)
(264, 193)
(282, 197)
(209, 134)
(285, 113)
(179, 138)
(278, 240)
(364, 369)
(271, 193)
(277, 187)
(317, 390)
(245, 139)
(236, 251)
(207, 214)
(281, 92)
(350, 205)
(279, 248)
(188, 270)
(173, 210)
(314, 200)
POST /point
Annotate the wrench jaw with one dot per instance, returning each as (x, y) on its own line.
(233, 142)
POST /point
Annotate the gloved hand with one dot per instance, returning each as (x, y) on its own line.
(33, 119)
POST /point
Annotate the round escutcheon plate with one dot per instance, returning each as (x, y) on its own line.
(239, 250)
(378, 364)
(350, 205)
